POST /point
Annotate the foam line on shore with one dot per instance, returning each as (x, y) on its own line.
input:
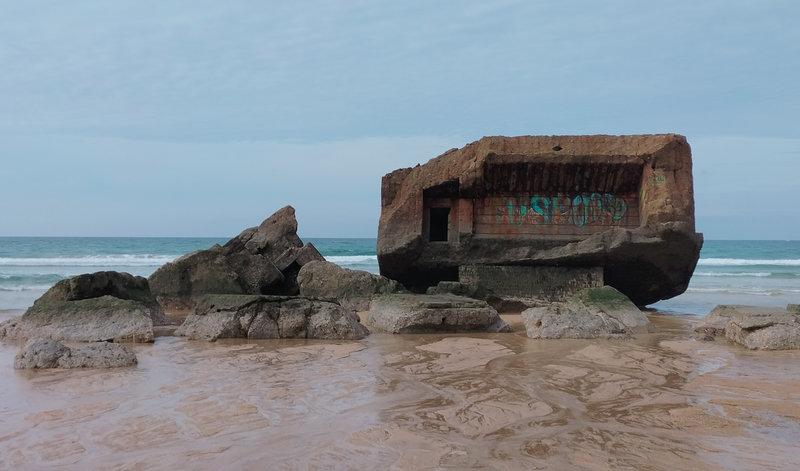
(350, 259)
(745, 261)
(126, 260)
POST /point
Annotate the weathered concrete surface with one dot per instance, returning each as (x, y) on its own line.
(509, 288)
(623, 203)
(591, 313)
(419, 313)
(48, 353)
(353, 289)
(757, 328)
(544, 283)
(501, 303)
(89, 308)
(270, 317)
(261, 260)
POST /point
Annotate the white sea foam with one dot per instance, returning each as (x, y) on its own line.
(18, 289)
(750, 290)
(723, 274)
(745, 261)
(123, 260)
(352, 259)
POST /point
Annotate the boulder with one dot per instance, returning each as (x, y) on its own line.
(353, 289)
(261, 260)
(422, 313)
(40, 353)
(757, 328)
(119, 285)
(591, 313)
(92, 307)
(49, 353)
(624, 204)
(500, 302)
(715, 322)
(270, 317)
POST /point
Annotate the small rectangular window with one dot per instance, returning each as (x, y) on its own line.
(439, 221)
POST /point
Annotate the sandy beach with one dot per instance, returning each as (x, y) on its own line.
(482, 401)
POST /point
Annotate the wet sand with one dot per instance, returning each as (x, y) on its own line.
(484, 401)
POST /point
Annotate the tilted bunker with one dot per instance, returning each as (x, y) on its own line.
(621, 203)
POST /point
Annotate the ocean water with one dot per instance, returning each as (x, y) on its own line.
(762, 273)
(750, 272)
(29, 266)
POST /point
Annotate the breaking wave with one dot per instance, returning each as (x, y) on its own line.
(117, 260)
(745, 261)
(352, 259)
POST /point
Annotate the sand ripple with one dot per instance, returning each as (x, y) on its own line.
(493, 401)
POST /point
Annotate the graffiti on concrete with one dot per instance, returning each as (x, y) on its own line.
(597, 209)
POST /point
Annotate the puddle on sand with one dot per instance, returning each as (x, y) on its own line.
(484, 401)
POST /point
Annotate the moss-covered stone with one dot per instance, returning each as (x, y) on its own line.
(605, 295)
(104, 283)
(600, 312)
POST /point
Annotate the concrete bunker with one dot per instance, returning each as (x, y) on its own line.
(621, 203)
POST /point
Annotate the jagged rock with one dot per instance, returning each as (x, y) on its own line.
(270, 317)
(623, 203)
(353, 289)
(261, 260)
(422, 313)
(49, 353)
(91, 307)
(757, 328)
(591, 313)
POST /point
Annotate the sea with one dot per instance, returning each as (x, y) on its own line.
(756, 272)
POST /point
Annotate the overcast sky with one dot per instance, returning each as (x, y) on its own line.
(201, 118)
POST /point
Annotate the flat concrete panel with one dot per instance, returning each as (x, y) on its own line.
(548, 283)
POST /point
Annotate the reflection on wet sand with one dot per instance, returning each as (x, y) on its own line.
(490, 401)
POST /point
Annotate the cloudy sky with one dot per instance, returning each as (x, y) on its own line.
(202, 117)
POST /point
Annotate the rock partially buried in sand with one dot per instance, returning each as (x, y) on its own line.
(91, 307)
(270, 317)
(589, 314)
(47, 353)
(353, 289)
(261, 260)
(757, 328)
(422, 313)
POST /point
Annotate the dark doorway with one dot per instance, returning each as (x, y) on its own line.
(439, 221)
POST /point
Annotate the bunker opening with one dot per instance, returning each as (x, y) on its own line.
(439, 222)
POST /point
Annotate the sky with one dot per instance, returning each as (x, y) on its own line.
(202, 118)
